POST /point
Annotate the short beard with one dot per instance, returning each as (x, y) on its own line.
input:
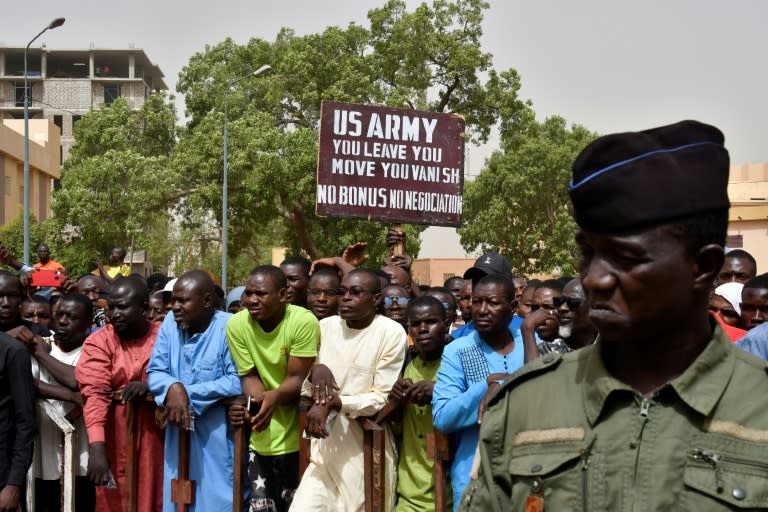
(565, 331)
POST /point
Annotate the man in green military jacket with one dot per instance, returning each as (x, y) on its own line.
(661, 413)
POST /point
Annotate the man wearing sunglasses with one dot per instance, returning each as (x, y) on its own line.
(574, 331)
(661, 413)
(360, 358)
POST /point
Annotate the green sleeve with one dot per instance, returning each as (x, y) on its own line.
(306, 335)
(238, 347)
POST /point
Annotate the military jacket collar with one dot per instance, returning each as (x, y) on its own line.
(700, 386)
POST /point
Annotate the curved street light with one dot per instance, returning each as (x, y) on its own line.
(225, 185)
(57, 22)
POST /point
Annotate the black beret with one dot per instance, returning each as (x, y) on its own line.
(630, 180)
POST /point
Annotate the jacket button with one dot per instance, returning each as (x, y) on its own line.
(536, 468)
(739, 493)
(548, 358)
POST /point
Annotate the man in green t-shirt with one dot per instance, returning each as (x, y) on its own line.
(273, 345)
(415, 470)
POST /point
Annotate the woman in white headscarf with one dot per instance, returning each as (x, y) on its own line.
(725, 302)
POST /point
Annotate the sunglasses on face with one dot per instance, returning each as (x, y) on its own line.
(725, 313)
(354, 291)
(574, 303)
(328, 293)
(390, 301)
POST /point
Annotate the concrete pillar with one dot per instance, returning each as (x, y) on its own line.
(131, 65)
(2, 63)
(90, 65)
(43, 63)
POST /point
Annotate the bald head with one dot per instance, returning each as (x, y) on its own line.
(198, 280)
(192, 301)
(397, 276)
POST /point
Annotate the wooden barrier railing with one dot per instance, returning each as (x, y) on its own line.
(182, 488)
(374, 456)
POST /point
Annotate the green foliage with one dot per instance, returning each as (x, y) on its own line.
(429, 59)
(12, 237)
(519, 204)
(116, 187)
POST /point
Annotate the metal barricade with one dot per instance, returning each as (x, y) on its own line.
(68, 477)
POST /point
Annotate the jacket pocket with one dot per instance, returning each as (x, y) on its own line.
(726, 470)
(563, 475)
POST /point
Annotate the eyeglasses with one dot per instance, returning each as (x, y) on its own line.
(574, 303)
(328, 293)
(391, 301)
(535, 307)
(725, 313)
(354, 291)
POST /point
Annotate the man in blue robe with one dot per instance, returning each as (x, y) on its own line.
(189, 373)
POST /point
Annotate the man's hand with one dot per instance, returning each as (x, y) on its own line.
(317, 417)
(177, 406)
(264, 416)
(401, 389)
(421, 392)
(395, 236)
(324, 385)
(9, 498)
(77, 398)
(329, 262)
(355, 254)
(23, 334)
(161, 417)
(493, 382)
(98, 464)
(5, 255)
(538, 318)
(37, 346)
(403, 261)
(68, 286)
(237, 414)
(135, 390)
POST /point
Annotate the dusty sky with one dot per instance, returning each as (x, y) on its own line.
(605, 64)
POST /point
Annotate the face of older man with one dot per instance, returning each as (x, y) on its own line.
(491, 308)
(358, 299)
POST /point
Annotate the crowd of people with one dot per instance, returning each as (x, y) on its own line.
(618, 388)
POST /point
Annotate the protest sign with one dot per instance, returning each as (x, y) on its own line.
(388, 164)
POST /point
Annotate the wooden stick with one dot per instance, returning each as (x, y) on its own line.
(399, 248)
(131, 462)
(182, 488)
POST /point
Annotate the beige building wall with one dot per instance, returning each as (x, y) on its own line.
(748, 218)
(44, 167)
(434, 271)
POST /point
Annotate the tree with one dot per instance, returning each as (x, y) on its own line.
(429, 59)
(519, 204)
(12, 237)
(117, 188)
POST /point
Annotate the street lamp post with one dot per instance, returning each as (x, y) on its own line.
(225, 186)
(54, 24)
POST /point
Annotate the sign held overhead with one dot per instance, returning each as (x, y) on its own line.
(389, 164)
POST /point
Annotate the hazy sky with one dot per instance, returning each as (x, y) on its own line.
(606, 64)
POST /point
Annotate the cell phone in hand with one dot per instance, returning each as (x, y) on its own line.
(46, 277)
(253, 406)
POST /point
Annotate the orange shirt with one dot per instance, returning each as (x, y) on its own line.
(51, 265)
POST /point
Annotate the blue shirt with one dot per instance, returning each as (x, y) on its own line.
(202, 363)
(460, 385)
(756, 341)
